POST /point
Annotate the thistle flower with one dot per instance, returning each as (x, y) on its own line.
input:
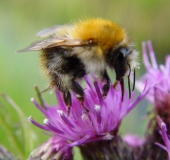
(134, 140)
(164, 135)
(101, 122)
(54, 148)
(158, 76)
(159, 95)
(155, 74)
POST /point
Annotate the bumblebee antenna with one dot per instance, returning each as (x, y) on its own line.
(134, 79)
(129, 87)
(122, 87)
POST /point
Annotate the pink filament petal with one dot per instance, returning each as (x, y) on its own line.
(152, 55)
(145, 56)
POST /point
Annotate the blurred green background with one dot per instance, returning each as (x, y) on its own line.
(21, 19)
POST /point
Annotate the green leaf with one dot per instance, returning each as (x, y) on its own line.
(23, 145)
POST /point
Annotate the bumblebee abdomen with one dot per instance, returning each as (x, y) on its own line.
(59, 61)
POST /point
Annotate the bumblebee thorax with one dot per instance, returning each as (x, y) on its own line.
(103, 33)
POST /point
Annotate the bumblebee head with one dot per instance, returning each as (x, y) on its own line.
(120, 60)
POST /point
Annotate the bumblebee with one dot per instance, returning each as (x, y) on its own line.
(88, 46)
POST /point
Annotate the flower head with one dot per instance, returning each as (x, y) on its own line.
(165, 136)
(155, 74)
(101, 122)
(54, 148)
(159, 95)
(134, 140)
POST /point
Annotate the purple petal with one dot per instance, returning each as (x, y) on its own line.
(81, 141)
(152, 55)
(52, 127)
(63, 117)
(98, 93)
(145, 56)
(37, 124)
(37, 105)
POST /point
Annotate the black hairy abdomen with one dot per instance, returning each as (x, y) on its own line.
(62, 61)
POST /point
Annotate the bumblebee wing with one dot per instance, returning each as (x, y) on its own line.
(53, 42)
(40, 45)
(52, 30)
(48, 31)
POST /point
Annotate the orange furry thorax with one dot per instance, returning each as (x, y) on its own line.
(104, 33)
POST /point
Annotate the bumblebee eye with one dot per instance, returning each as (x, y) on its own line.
(122, 53)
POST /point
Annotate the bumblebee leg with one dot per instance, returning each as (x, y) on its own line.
(79, 91)
(115, 84)
(75, 86)
(106, 86)
(57, 81)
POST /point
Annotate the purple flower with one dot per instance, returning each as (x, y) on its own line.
(54, 148)
(133, 140)
(159, 96)
(165, 137)
(80, 127)
(158, 75)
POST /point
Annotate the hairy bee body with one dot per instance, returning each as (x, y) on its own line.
(57, 61)
(89, 46)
